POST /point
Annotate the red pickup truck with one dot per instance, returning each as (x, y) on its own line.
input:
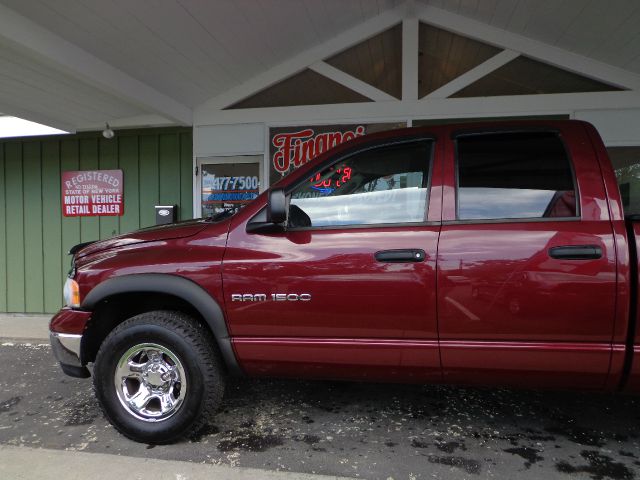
(492, 254)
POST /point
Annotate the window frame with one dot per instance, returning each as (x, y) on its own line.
(432, 139)
(462, 133)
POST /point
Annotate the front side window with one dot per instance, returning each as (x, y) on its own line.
(514, 175)
(384, 185)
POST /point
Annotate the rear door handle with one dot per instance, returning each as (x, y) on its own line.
(401, 256)
(576, 252)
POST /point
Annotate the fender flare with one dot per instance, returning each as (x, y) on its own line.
(176, 286)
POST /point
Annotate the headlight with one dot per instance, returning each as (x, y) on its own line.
(71, 293)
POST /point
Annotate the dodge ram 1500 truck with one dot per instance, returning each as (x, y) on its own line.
(488, 254)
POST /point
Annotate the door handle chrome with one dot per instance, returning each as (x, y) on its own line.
(401, 256)
(576, 252)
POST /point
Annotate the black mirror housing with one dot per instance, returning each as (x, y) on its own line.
(277, 206)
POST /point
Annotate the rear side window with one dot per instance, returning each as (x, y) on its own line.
(384, 185)
(514, 175)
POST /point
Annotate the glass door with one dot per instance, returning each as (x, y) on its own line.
(228, 183)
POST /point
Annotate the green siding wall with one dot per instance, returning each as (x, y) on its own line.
(35, 237)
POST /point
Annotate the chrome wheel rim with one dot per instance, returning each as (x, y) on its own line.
(150, 382)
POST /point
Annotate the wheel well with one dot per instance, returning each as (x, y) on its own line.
(112, 311)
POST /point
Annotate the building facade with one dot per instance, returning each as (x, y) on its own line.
(35, 236)
(415, 70)
(405, 64)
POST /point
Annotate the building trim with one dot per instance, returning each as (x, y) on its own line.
(507, 105)
(303, 60)
(410, 45)
(353, 83)
(476, 73)
(544, 52)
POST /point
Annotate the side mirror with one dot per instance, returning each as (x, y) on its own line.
(277, 206)
(273, 218)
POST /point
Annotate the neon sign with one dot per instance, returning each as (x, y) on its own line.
(341, 176)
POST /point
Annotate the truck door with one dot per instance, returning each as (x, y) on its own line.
(348, 290)
(526, 269)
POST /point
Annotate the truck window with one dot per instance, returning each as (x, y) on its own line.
(384, 185)
(626, 162)
(514, 175)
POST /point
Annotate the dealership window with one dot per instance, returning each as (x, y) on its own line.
(514, 175)
(228, 183)
(626, 163)
(384, 185)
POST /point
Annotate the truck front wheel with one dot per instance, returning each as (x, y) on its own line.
(158, 377)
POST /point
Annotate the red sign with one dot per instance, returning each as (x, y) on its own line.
(91, 193)
(299, 147)
(292, 147)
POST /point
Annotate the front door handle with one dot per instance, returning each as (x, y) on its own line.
(401, 256)
(576, 252)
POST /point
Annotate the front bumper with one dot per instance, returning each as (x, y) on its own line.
(66, 348)
(65, 335)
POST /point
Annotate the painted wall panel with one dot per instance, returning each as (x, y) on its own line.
(35, 237)
(149, 173)
(3, 235)
(89, 226)
(33, 227)
(108, 160)
(169, 171)
(186, 177)
(129, 163)
(53, 266)
(15, 227)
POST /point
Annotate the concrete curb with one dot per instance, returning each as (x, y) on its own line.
(21, 327)
(24, 463)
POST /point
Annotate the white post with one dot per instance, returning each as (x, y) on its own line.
(410, 28)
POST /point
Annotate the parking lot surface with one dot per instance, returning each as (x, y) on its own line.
(375, 431)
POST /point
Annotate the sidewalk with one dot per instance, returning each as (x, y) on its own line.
(24, 463)
(24, 327)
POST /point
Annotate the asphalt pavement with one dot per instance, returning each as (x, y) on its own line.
(376, 431)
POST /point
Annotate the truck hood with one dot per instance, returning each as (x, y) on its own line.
(150, 234)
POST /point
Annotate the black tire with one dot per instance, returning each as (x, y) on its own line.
(194, 347)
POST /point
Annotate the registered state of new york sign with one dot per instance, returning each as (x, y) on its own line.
(91, 193)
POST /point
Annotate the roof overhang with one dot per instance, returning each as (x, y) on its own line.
(88, 64)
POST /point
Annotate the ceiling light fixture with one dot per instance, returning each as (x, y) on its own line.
(107, 132)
